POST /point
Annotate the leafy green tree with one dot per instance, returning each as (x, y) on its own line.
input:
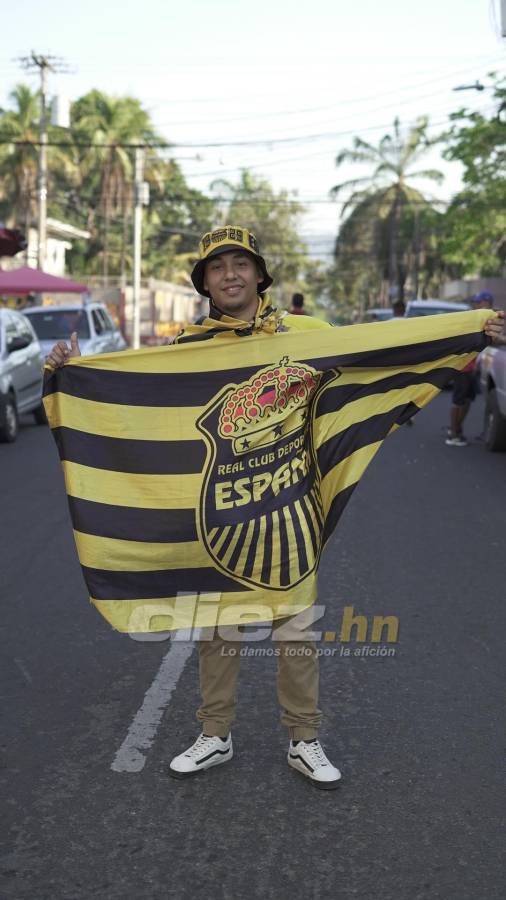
(176, 215)
(91, 186)
(377, 203)
(274, 217)
(475, 232)
(19, 160)
(176, 218)
(106, 167)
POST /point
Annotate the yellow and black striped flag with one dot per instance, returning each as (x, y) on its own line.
(204, 478)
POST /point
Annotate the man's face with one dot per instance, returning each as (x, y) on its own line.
(482, 304)
(232, 280)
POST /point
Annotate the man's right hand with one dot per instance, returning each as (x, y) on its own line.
(61, 353)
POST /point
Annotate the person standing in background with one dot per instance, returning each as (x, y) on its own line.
(297, 308)
(466, 384)
(398, 309)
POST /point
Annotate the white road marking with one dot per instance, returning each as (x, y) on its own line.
(131, 756)
(22, 668)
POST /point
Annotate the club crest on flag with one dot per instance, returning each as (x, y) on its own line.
(260, 510)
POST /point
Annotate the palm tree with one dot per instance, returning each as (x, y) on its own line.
(19, 162)
(108, 123)
(387, 191)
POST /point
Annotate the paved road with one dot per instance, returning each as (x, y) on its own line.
(418, 735)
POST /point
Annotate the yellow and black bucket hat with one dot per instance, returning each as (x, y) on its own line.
(223, 240)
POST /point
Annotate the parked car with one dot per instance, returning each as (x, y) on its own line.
(96, 331)
(433, 308)
(21, 364)
(492, 363)
(378, 314)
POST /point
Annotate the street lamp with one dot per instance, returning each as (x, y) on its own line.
(477, 86)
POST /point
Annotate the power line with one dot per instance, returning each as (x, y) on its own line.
(480, 61)
(337, 105)
(328, 135)
(166, 145)
(158, 145)
(307, 156)
(98, 197)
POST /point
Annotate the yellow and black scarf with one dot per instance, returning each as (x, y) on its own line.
(267, 320)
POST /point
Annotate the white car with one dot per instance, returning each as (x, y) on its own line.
(21, 364)
(492, 368)
(433, 308)
(96, 331)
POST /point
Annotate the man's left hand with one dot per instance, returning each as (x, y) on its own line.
(494, 327)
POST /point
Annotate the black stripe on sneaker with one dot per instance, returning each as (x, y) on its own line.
(209, 755)
(303, 761)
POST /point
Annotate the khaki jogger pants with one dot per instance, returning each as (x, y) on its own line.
(297, 683)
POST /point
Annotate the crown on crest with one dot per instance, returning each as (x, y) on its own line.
(271, 391)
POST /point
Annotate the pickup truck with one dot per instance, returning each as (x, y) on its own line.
(493, 385)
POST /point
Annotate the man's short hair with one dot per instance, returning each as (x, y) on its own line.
(399, 308)
(298, 301)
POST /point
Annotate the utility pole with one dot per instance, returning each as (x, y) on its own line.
(416, 248)
(141, 198)
(44, 64)
(42, 216)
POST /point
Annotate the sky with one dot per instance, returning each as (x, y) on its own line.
(280, 87)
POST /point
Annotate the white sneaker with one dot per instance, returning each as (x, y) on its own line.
(309, 759)
(204, 753)
(458, 441)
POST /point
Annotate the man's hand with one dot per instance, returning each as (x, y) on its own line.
(494, 327)
(61, 353)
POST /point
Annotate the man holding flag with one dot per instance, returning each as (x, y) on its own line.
(272, 455)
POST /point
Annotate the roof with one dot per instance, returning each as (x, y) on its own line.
(65, 230)
(442, 304)
(33, 281)
(8, 309)
(61, 307)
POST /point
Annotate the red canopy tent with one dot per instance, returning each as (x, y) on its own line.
(33, 281)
